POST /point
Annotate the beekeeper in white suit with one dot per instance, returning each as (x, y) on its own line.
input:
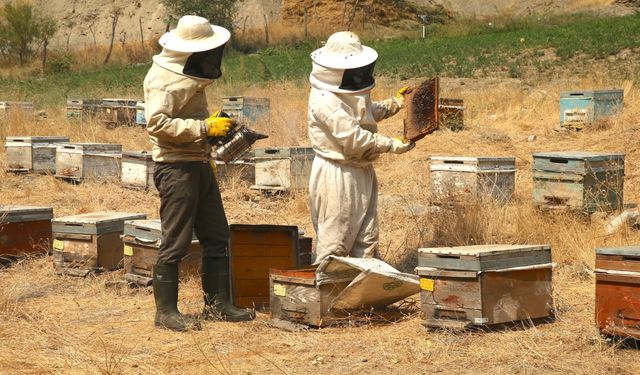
(342, 122)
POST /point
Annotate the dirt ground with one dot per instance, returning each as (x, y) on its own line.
(53, 324)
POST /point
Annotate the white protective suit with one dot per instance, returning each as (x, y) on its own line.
(343, 187)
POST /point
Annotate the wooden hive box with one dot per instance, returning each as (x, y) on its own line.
(484, 284)
(581, 181)
(141, 118)
(618, 291)
(32, 154)
(296, 296)
(83, 109)
(246, 109)
(253, 250)
(451, 113)
(118, 111)
(580, 108)
(459, 179)
(283, 168)
(25, 230)
(137, 170)
(89, 242)
(94, 161)
(141, 243)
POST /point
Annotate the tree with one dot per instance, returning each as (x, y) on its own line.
(48, 28)
(21, 29)
(218, 12)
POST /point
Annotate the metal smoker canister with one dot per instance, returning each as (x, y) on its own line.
(236, 143)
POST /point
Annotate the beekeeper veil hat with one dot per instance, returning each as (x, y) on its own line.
(193, 48)
(343, 65)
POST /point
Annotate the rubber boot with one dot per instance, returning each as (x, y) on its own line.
(217, 296)
(165, 293)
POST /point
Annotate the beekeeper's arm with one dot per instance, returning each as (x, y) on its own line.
(356, 141)
(387, 108)
(162, 107)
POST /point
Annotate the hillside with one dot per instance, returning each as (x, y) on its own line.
(89, 22)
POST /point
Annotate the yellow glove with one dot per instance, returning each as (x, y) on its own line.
(219, 126)
(400, 95)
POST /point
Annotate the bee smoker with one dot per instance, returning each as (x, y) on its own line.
(235, 143)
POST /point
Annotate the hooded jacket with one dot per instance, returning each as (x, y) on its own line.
(176, 107)
(343, 126)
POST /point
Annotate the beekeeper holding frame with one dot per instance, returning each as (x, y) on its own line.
(342, 124)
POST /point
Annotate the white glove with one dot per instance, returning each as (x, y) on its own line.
(399, 146)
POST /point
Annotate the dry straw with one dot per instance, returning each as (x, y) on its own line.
(53, 324)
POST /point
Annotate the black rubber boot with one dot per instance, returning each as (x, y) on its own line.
(165, 293)
(217, 296)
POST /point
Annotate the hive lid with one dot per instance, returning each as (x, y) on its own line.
(588, 94)
(18, 214)
(282, 152)
(471, 163)
(484, 257)
(94, 222)
(579, 155)
(623, 250)
(91, 147)
(421, 113)
(483, 250)
(37, 139)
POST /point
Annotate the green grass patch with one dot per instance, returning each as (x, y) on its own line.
(471, 49)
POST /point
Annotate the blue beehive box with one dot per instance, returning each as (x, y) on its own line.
(579, 181)
(579, 108)
(247, 109)
(140, 114)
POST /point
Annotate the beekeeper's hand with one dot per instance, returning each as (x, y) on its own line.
(219, 126)
(400, 146)
(400, 95)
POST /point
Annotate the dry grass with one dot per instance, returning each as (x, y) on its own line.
(51, 324)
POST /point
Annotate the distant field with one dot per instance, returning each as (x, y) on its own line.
(504, 48)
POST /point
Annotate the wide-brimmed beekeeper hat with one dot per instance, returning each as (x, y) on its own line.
(194, 34)
(344, 50)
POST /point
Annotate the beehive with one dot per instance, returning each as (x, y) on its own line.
(459, 179)
(83, 109)
(484, 284)
(239, 170)
(6, 107)
(25, 230)
(580, 108)
(583, 181)
(141, 243)
(618, 291)
(81, 161)
(141, 118)
(451, 113)
(89, 242)
(32, 154)
(254, 249)
(137, 170)
(118, 111)
(283, 168)
(247, 109)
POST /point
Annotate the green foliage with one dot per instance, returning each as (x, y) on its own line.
(21, 28)
(218, 12)
(61, 63)
(512, 52)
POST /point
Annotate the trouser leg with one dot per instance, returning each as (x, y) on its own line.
(177, 184)
(212, 230)
(339, 202)
(173, 181)
(366, 243)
